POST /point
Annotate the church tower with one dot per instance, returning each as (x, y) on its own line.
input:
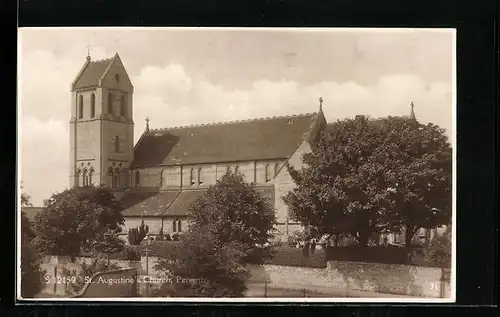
(101, 126)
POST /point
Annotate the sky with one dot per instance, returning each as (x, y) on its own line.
(199, 75)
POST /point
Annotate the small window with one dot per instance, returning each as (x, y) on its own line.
(123, 106)
(179, 226)
(80, 107)
(137, 178)
(276, 168)
(110, 177)
(236, 169)
(174, 226)
(91, 172)
(110, 103)
(200, 176)
(191, 177)
(92, 105)
(85, 178)
(117, 144)
(117, 178)
(228, 170)
(161, 178)
(268, 172)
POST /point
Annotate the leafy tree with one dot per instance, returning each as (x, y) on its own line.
(204, 267)
(338, 189)
(76, 219)
(107, 243)
(31, 273)
(237, 212)
(420, 173)
(25, 198)
(366, 177)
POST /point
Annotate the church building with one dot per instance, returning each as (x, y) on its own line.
(157, 178)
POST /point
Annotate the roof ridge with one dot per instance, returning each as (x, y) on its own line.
(307, 114)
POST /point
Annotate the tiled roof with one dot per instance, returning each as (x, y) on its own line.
(151, 203)
(170, 203)
(266, 138)
(31, 212)
(92, 73)
(181, 204)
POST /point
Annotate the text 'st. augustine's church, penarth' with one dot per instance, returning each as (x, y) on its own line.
(157, 178)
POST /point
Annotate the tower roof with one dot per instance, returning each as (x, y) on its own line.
(92, 72)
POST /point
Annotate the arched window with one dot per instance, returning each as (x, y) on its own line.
(123, 106)
(92, 105)
(200, 176)
(80, 107)
(174, 226)
(137, 178)
(117, 144)
(117, 178)
(85, 178)
(236, 169)
(110, 103)
(228, 170)
(77, 180)
(161, 178)
(179, 226)
(268, 172)
(276, 168)
(91, 172)
(110, 177)
(191, 177)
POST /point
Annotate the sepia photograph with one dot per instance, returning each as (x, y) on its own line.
(236, 164)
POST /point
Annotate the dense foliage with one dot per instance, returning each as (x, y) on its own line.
(365, 177)
(31, 273)
(205, 267)
(237, 212)
(230, 225)
(79, 220)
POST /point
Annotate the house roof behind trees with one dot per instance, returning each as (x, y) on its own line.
(31, 212)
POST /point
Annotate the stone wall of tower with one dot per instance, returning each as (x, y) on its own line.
(92, 137)
(85, 135)
(120, 159)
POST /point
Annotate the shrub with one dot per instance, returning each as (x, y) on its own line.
(130, 254)
(31, 273)
(435, 254)
(167, 237)
(375, 254)
(288, 256)
(136, 235)
(175, 237)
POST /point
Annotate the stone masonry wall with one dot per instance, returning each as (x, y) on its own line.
(373, 277)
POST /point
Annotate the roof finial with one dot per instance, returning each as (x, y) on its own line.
(147, 123)
(88, 52)
(412, 113)
(320, 103)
